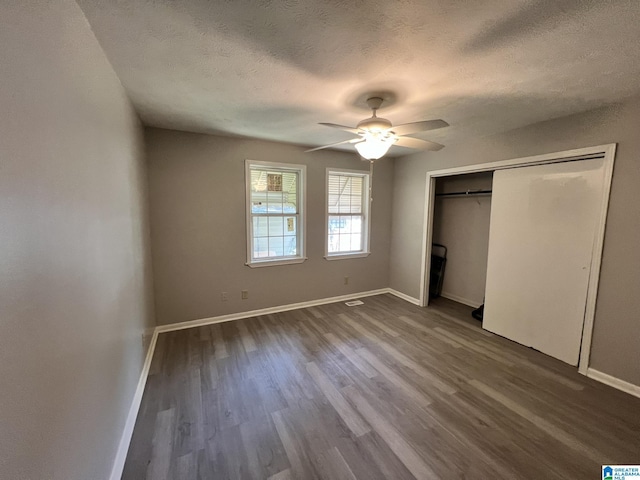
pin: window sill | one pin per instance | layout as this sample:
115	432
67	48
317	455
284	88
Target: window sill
345	256
275	263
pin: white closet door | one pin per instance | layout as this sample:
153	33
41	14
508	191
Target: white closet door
543	222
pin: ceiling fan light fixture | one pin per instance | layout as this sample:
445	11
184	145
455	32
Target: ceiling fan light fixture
376	135
374	146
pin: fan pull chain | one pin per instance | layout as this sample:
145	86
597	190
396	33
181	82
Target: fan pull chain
370	181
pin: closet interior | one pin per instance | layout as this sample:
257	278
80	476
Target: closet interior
462	214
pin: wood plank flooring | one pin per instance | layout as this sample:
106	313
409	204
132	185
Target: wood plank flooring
385	390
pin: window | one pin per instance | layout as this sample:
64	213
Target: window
347	214
275	213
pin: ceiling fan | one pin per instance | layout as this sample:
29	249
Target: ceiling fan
376	135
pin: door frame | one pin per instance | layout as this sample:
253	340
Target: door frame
607	150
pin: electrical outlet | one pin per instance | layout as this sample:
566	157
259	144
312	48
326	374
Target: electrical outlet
346	280
245	294
224	296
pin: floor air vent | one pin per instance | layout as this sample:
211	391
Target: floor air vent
353	303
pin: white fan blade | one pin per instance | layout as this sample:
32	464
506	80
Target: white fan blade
341	127
409	142
415	127
353	140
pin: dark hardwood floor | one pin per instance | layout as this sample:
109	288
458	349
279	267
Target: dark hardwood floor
385	390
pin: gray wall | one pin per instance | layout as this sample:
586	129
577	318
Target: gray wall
197	206
462	225
617	326
75	290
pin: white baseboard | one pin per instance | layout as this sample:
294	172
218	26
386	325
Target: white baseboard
403	296
125	440
464	301
614	382
265	311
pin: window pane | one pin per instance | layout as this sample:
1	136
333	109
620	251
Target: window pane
335	223
260	247
273	191
333	193
344	243
344	193
336	186
276	246
345	196
290	226
274	202
276	226
344	233
356	224
274	182
356	240
258	181
344	206
290	246
356	200
356	186
258	207
260	227
345	225
333	228
290	192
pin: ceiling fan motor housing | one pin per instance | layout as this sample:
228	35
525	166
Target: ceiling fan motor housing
374	123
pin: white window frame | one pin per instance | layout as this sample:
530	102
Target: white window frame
301	215
366	209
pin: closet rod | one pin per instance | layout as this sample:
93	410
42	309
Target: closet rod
466	193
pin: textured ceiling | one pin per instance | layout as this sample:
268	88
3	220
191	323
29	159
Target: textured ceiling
273	69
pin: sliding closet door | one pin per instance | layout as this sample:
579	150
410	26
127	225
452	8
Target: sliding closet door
543	223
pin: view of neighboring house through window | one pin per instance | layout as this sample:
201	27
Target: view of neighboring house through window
275	221
347	213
